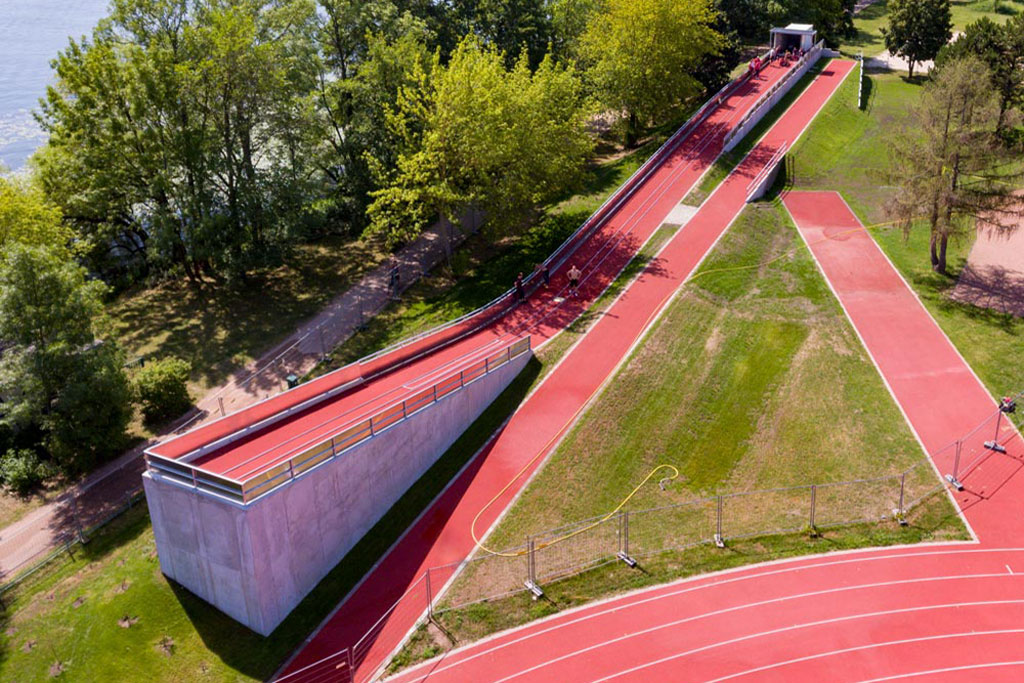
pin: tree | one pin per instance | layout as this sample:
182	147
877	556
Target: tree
179	133
918	29
162	388
949	166
642	56
27	217
56	375
1001	47
478	135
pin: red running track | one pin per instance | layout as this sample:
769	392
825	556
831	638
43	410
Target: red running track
543	315
442	535
948	612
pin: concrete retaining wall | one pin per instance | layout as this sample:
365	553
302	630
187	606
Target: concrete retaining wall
766	105
255	562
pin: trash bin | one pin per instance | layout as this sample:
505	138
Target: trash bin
293	381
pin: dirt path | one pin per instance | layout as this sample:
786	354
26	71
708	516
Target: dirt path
994	274
107	490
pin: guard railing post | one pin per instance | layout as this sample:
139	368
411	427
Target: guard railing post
903	488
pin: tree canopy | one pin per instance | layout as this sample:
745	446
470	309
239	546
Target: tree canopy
478	135
949	165
641	55
918	29
1001	48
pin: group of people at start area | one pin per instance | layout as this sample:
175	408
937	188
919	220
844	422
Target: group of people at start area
784	56
573	274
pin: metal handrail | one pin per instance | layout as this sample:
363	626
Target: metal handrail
339	439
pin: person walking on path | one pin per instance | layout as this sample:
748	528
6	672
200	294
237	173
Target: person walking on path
574	280
520	292
545	274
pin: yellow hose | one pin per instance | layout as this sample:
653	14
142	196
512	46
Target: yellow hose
675	472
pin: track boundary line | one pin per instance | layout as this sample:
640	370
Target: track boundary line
796	627
950	669
734	608
878	369
845	650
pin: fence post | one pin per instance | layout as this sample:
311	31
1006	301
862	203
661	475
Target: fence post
719	541
78	518
351	666
954	479
814	501
901	515
430	598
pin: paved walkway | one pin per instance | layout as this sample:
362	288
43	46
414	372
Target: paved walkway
944	612
106	490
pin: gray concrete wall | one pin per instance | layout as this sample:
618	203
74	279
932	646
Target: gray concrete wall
780	91
256	562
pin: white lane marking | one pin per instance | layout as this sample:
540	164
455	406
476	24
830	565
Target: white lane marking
949	669
810	624
871	355
1008	569
653	594
738	608
904	641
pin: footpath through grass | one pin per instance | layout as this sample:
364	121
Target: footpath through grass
845	150
109	614
753	379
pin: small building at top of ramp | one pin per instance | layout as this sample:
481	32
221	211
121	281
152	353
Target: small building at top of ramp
794	36
251	511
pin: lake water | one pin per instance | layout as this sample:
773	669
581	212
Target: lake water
31	34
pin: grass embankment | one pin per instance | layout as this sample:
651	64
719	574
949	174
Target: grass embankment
845	150
725	163
872	19
108	613
752	379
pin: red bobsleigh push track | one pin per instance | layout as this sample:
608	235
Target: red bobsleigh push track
442	535
948	612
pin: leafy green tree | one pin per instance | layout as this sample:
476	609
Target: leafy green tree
27	217
56	375
179	132
1001	47
21	470
478	135
949	166
162	388
642	56
918	29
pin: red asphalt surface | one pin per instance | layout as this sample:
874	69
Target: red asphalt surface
943	612
442	535
600	258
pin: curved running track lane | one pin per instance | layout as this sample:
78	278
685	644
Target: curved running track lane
441	536
944	612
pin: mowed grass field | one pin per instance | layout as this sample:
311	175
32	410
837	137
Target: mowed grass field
753	379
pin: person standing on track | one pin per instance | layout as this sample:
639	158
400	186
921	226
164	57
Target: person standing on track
520	292
574	280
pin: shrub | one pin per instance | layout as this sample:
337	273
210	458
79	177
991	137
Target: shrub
162	388
21	470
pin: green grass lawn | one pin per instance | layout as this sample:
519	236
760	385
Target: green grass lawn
752	379
845	150
871	20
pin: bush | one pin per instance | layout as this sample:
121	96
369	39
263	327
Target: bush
21	470
162	388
